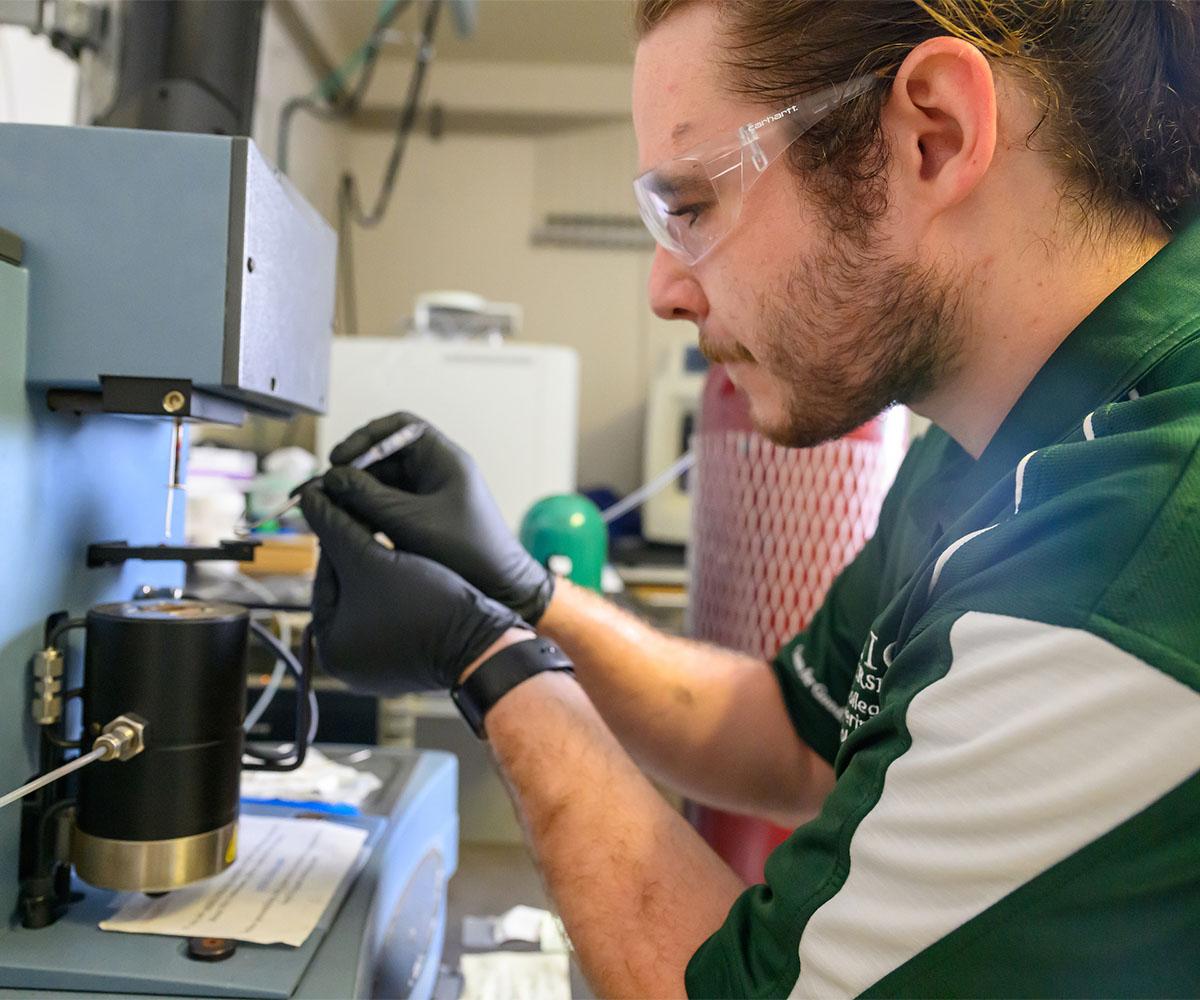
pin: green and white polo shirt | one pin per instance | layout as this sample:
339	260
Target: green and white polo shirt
1007	682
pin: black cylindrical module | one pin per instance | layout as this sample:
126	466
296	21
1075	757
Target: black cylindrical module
168	816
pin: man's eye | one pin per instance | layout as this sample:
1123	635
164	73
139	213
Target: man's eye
692	212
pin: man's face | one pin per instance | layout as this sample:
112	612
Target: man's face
820	329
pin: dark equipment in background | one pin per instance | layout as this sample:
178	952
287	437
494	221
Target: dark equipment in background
167	65
174	65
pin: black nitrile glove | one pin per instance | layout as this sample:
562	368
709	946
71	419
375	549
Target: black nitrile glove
388	622
430	498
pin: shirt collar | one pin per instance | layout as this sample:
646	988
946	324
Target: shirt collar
1148	315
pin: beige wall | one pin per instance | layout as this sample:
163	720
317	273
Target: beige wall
462	217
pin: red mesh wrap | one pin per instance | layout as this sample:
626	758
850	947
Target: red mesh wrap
771	528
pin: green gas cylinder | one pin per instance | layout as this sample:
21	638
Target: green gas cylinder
566	534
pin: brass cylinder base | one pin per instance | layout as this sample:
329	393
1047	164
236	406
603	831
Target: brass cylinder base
152	865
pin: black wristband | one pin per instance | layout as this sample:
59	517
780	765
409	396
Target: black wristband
495	677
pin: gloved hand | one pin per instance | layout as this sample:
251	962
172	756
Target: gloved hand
431	499
388	622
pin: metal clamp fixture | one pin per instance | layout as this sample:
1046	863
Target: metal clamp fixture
47	686
123	738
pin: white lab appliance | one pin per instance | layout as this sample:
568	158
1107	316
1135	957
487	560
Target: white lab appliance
513	406
671	409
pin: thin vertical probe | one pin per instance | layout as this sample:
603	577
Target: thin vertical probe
376	453
173	482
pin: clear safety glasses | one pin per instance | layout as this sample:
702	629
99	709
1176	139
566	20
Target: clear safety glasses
691	202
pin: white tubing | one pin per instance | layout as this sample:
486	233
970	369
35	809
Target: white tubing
656	485
268	693
59	772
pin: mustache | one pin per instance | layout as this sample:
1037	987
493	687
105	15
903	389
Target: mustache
720	354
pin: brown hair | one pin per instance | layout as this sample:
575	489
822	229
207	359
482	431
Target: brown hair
1118	84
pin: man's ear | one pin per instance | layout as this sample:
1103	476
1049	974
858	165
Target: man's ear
940	120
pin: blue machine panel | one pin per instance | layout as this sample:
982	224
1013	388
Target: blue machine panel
67	481
169	256
126	238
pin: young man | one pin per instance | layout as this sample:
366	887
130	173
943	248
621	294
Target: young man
974	209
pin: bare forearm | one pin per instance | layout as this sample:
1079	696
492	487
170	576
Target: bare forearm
638	890
708	722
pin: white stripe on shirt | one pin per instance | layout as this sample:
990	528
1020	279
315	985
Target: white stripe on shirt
1038	740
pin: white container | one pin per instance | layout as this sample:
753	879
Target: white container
514	407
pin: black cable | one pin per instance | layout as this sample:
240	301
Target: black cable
294	758
404	125
294	665
268	756
349	207
63	627
51	813
303	693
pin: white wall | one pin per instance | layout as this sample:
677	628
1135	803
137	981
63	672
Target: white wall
37	82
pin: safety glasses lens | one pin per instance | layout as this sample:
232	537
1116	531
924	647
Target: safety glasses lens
683	208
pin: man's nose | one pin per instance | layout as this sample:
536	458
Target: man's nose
673	289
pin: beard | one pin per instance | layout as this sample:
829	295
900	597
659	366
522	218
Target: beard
853	331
